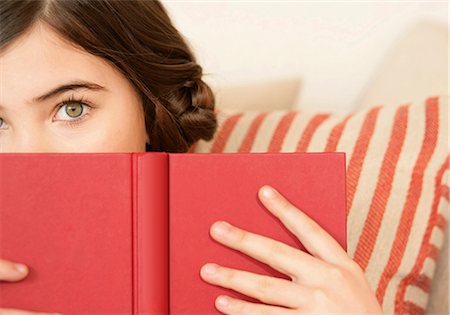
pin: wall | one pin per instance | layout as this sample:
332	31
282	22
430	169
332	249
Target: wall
334	47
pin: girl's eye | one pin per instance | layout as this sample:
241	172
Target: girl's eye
1	123
72	111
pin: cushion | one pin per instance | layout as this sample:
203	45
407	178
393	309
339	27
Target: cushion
438	302
416	66
397	163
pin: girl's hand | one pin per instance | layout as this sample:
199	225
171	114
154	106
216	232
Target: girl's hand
9	272
325	281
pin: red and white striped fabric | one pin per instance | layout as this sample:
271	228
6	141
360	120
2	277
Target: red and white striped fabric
397	183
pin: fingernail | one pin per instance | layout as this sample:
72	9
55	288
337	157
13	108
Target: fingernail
21	268
221	228
268	192
210	269
223	301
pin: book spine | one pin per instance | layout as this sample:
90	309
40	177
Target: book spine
150	233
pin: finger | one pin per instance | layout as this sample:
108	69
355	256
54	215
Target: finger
232	306
297	264
267	289
10	311
315	239
10	271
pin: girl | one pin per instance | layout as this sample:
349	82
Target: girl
111	76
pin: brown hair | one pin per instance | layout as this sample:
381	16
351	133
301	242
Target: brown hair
139	39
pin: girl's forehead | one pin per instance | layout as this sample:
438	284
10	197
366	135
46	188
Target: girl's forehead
40	59
42	48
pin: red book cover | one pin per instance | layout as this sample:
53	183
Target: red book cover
127	233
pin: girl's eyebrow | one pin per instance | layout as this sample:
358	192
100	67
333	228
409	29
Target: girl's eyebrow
73	85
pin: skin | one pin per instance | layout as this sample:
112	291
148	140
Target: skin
327	281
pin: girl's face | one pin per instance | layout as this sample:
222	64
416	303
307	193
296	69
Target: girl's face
55	98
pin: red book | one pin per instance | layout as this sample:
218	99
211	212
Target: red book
127	233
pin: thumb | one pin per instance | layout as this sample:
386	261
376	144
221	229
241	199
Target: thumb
10	271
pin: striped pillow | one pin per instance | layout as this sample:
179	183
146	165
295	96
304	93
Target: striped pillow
397	183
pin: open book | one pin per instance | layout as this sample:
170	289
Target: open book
127	233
